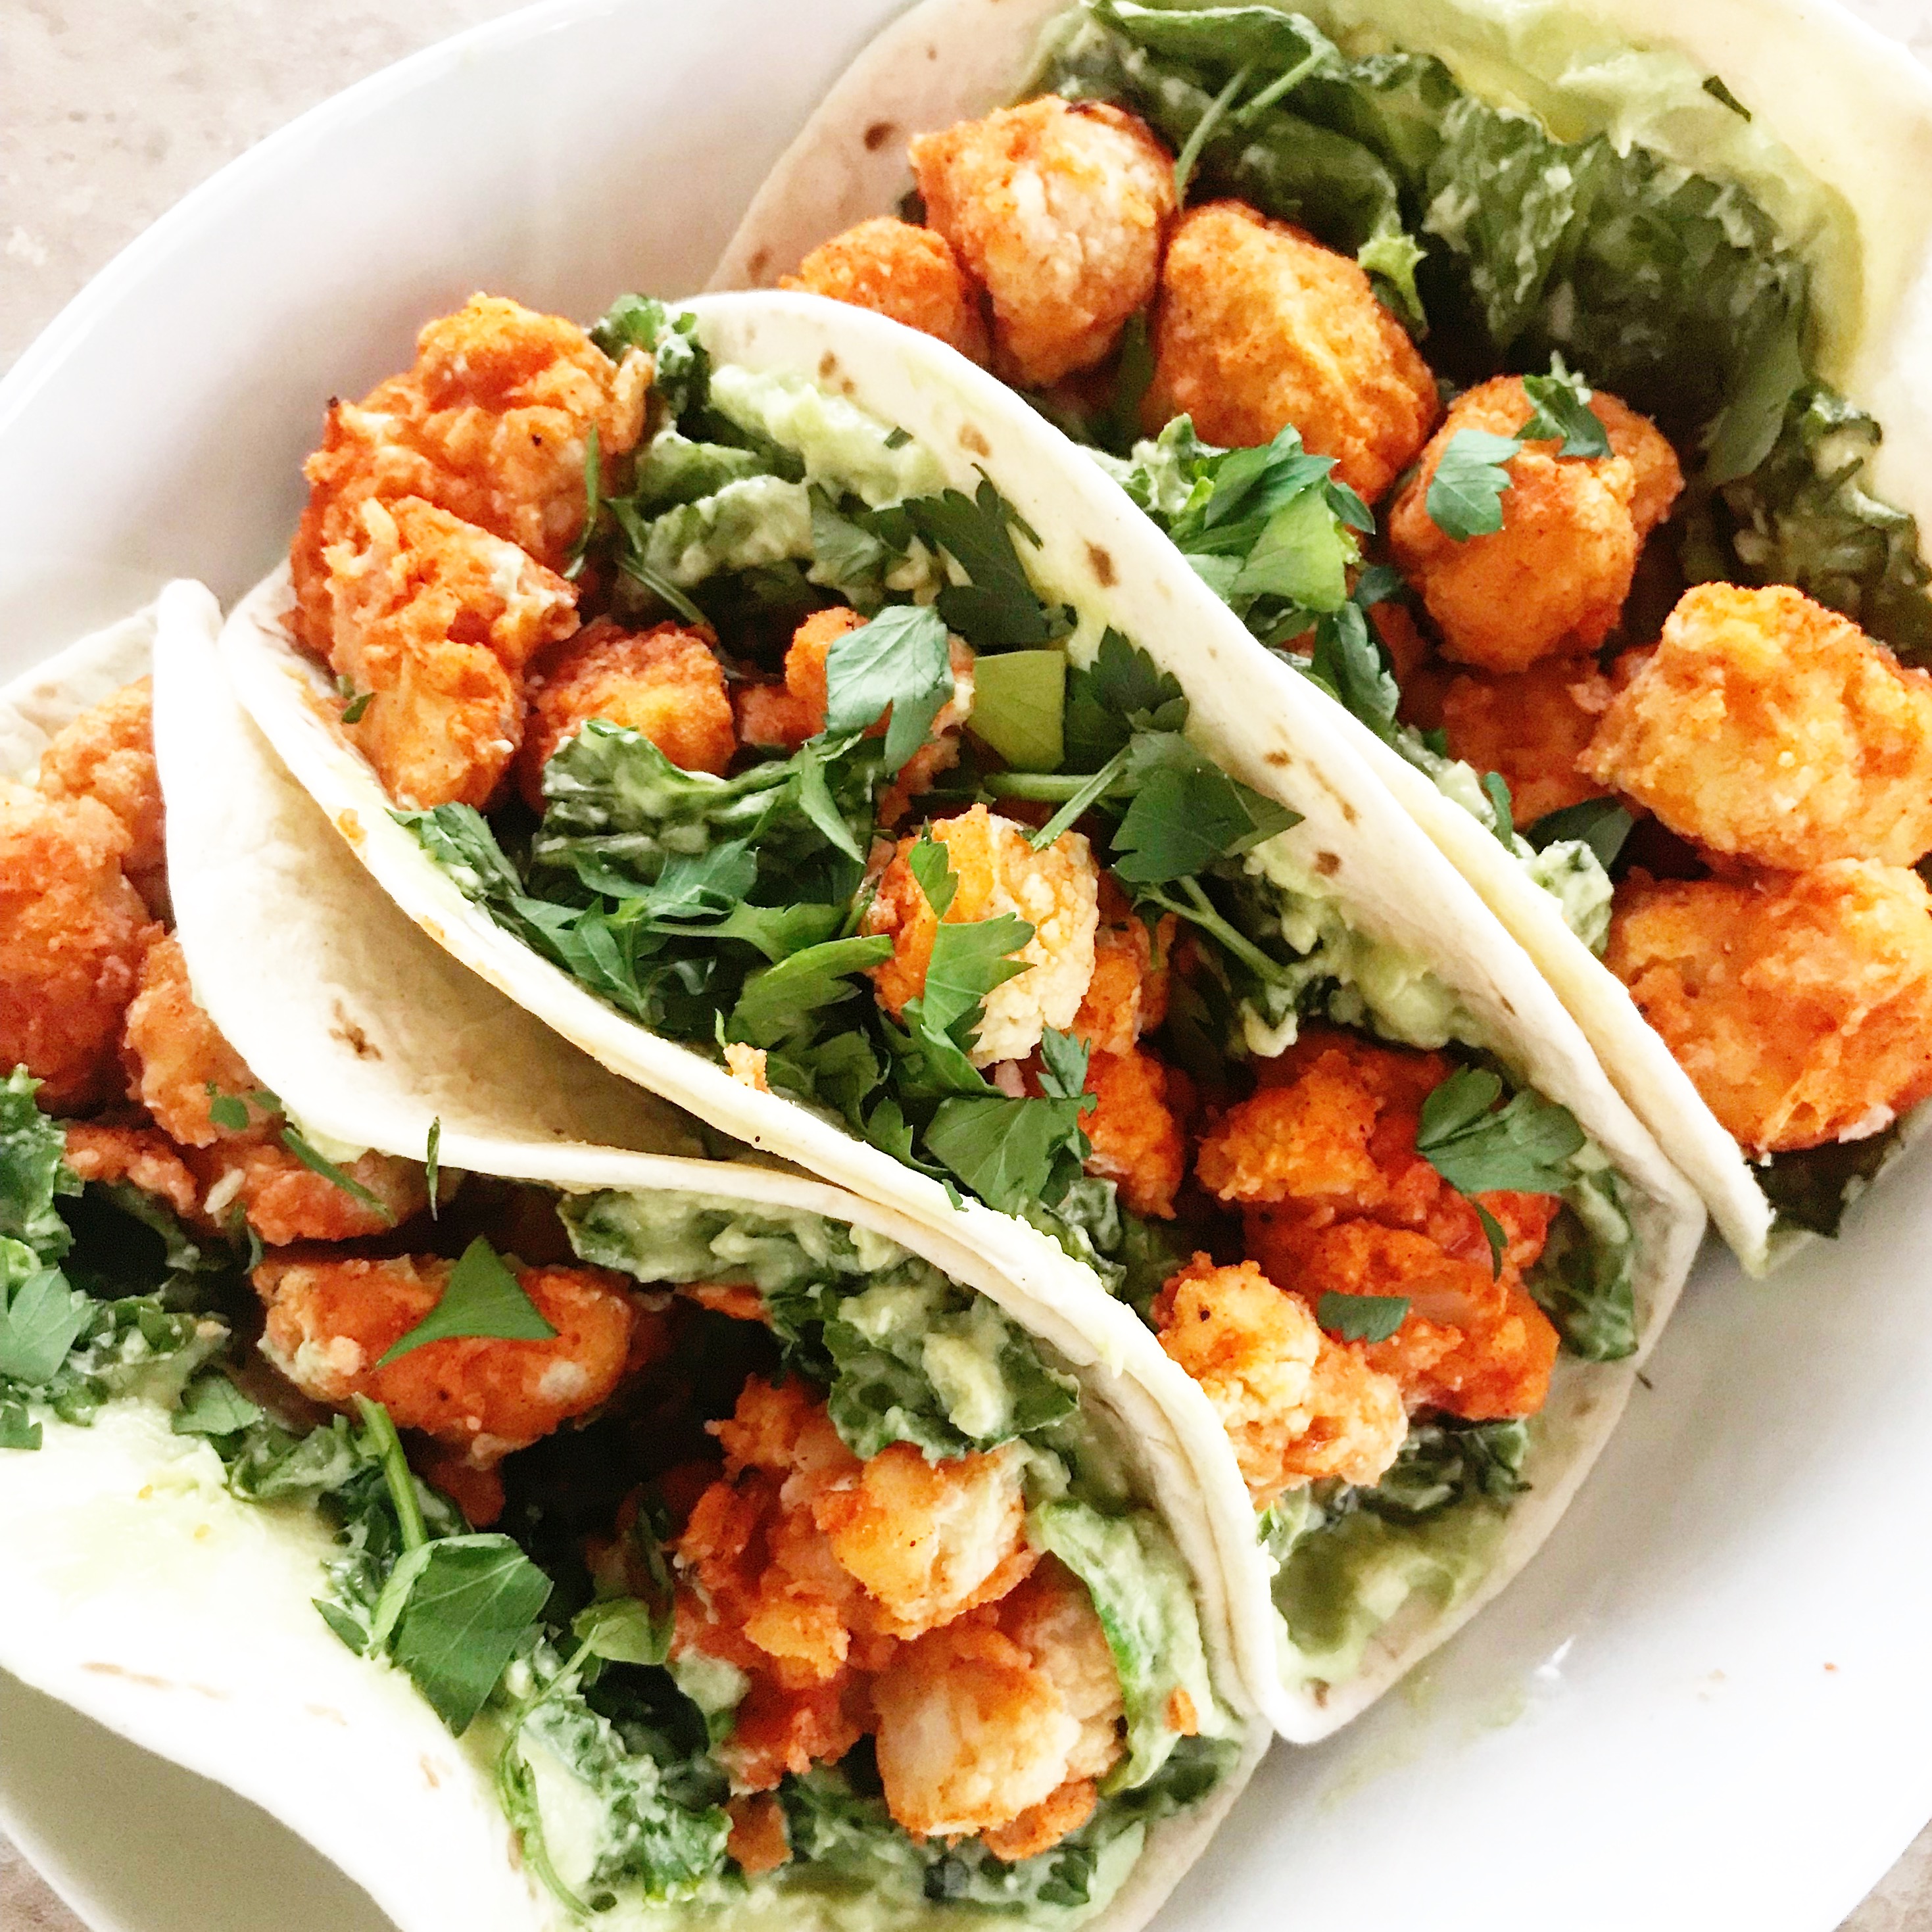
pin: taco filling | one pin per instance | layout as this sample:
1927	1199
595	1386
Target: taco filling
757	1558
1605	566
812	775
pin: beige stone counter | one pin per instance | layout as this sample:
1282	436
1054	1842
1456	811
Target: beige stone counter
110	110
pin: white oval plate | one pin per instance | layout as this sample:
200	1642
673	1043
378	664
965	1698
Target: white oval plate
1706	1703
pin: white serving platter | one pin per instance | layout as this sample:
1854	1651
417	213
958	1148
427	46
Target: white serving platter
1706	1704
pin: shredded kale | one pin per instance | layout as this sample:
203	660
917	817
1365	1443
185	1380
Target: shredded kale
1812	1187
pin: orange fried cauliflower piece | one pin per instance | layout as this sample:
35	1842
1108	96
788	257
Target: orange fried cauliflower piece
1058	208
1767	726
108	753
1136	1140
1531	726
72	932
330	1322
139	1155
895	269
760	1840
491	425
283	1200
1260	326
436	619
1127	995
1552	581
1801	1007
665	683
1295	1409
783	716
1056	892
174	1056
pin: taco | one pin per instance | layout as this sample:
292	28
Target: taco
548	1531
1651	582
1090	954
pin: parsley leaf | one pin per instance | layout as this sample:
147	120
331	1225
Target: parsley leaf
1063	1070
41	1316
1526	1147
623	1630
1362	1318
33	1170
1601	823
970	957
1465	494
1186	815
1010	1152
1563	411
998	606
900	661
357	702
432	1162
1349	661
1496	789
481	1297
212	1405
776	998
1122	691
317	1163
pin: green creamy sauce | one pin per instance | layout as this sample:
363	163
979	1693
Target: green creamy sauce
907	1355
1577	75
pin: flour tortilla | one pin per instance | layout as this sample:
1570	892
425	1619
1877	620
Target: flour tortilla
139	1591
1852	107
1098	553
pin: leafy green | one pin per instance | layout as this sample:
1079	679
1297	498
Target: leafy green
1601	823
899	662
1186	814
1444	1461
1526	1146
1010	1152
33	1170
1019	700
1563	413
1362	1318
682	373
998	607
211	1405
776	998
1465	494
40	1317
481	1297
318	1163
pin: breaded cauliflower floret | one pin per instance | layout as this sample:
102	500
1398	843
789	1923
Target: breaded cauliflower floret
174	1055
1127	995
108	753
1552	581
1800	1007
1136	1140
666	684
491	425
760	1840
1767	726
1531	726
1050	1616
895	269
436	619
285	1200
1058	208
971	1734
1294	1412
72	932
1056	892
926	1540
330	1322
1307	1141
139	1155
1260	326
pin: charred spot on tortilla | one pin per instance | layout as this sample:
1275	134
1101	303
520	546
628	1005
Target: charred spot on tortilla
1101	562
429	1771
828	366
878	135
352	1036
1327	864
760	263
128	1676
1280	758
971	437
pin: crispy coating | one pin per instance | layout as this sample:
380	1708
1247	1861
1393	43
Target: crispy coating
73	933
1137	1140
329	1323
436	619
108	753
1260	326
1297	1407
1058	208
1050	1616
174	1055
1765	726
665	683
1552	581
1309	1142
1127	995
909	273
781	717
1801	1007
760	1840
140	1155
284	1201
1531	726
491	425
1056	892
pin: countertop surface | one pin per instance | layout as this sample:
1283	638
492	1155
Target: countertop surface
111	110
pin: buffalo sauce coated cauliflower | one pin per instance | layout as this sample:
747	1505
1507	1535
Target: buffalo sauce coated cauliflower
665	684
1137	1141
492	425
1801	1006
73	933
1056	892
435	620
1127	995
1297	1407
1260	326
1552	581
330	1321
107	753
177	1065
1058	208
895	269
1531	726
1766	726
